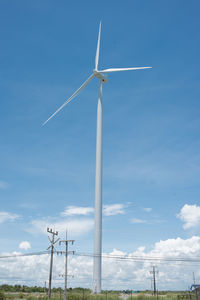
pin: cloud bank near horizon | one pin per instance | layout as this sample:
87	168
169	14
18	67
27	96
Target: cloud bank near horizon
117	274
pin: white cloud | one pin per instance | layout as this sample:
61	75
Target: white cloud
77	210
190	215
178	247
117	274
75	227
108	210
24	245
147	209
137	221
3	185
6	216
113	209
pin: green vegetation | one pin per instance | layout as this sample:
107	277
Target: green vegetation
19	292
163	296
2	295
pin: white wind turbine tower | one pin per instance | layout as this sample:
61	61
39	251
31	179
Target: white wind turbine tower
102	77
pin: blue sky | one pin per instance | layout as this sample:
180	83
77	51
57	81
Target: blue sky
151	161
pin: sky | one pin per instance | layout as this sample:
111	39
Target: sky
151	139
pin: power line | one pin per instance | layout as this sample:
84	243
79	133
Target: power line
110	256
25	254
142	258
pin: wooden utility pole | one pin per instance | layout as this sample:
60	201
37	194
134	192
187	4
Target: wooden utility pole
196	289
153	272
52	241
66	252
45	287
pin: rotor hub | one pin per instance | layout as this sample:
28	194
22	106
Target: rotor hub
100	76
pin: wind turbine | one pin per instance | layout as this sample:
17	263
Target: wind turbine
101	75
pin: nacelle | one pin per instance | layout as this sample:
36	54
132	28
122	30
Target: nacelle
101	76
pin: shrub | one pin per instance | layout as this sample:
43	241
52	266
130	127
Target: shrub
2	296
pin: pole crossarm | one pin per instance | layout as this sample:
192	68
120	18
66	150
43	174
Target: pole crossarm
51	231
64	252
69	241
63	275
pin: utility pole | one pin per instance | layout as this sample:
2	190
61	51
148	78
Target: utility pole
151	285
45	287
196	289
153	272
52	241
66	252
151	289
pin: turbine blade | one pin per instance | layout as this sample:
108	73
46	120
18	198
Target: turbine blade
68	100
122	69
98	46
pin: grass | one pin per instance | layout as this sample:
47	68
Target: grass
86	295
58	296
167	296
